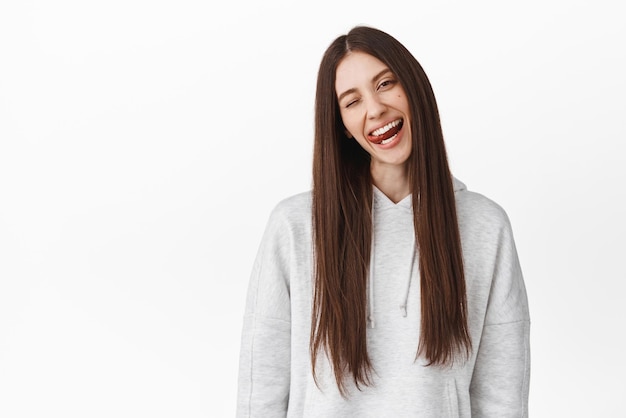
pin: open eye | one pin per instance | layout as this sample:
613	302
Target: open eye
386	83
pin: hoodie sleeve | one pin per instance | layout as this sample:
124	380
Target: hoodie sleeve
264	363
500	381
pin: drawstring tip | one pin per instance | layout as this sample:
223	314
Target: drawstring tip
371	321
403	308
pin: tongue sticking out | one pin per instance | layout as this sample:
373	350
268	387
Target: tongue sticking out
377	139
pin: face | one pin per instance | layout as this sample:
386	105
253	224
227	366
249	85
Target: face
374	109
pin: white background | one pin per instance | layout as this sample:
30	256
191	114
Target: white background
144	143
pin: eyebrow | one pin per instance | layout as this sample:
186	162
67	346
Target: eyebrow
352	90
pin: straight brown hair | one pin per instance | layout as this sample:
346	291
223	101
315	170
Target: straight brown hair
342	221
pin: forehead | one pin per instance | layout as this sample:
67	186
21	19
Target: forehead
356	70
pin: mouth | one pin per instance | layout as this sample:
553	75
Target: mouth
387	133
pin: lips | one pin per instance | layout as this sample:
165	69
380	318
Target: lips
386	132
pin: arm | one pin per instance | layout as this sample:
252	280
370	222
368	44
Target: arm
264	365
500	381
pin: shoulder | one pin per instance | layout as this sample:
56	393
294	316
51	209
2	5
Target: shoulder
287	229
475	210
293	208
294	204
292	213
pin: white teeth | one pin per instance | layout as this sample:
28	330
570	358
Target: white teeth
385	128
388	140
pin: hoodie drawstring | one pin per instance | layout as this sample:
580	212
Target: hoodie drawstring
370	279
370	276
408	280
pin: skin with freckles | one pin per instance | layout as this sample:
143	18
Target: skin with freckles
370	98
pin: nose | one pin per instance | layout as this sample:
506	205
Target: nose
375	108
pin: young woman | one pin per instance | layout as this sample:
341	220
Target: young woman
389	290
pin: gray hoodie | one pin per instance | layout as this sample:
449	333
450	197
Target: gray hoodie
275	378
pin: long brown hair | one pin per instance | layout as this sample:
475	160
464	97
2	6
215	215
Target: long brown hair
342	220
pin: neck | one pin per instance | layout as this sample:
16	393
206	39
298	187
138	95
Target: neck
392	181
